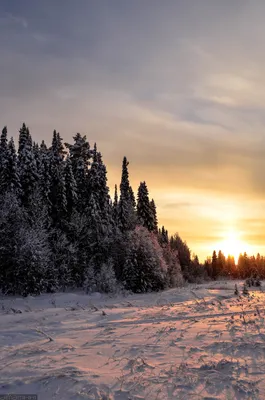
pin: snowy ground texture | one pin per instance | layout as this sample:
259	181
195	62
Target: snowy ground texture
191	343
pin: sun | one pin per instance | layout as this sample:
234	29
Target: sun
232	245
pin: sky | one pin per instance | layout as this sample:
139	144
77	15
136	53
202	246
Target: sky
175	85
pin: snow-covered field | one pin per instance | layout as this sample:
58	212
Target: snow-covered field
191	343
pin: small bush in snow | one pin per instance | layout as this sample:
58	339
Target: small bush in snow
245	290
236	290
103	280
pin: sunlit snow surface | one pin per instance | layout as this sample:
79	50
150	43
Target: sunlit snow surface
197	342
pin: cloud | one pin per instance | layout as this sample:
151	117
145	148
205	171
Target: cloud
8	19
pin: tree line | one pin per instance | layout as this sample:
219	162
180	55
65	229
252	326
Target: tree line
246	267
59	227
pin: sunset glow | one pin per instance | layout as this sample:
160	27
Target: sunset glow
233	245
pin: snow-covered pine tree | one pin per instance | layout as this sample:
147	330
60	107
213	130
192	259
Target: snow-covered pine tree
70	188
3	162
11	220
154	227
132	198
103	280
23	138
115	207
145	268
57	190
80	149
45	175
81	177
99	209
80	155
144	210
163	236
127	215
57	147
13	181
27	167
36	152
26	266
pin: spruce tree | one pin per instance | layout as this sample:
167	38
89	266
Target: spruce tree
163	236
57	192
13	181
214	265
37	155
79	150
27	167
70	188
3	141
154	225
127	217
23	139
220	263
45	175
143	269
80	155
115	209
132	198
3	162
99	209
81	179
144	211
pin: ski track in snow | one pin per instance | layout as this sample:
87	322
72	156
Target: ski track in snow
196	342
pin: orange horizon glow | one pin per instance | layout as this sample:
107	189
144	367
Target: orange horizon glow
233	245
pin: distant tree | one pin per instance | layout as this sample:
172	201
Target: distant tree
208	267
195	272
230	267
221	263
215	270
244	266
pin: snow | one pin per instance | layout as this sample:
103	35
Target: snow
196	342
